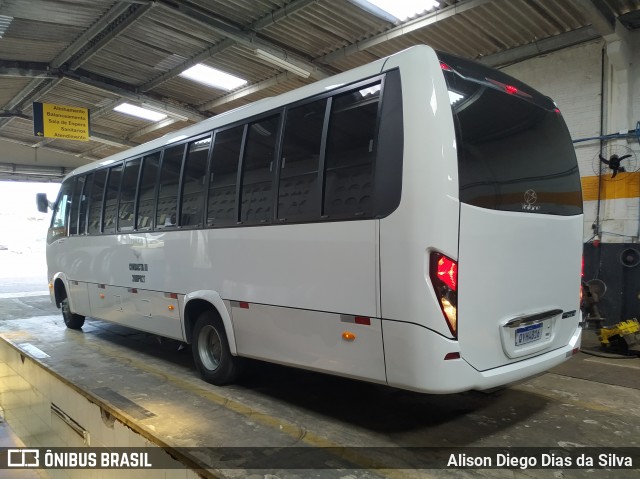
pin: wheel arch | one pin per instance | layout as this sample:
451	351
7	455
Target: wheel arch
196	303
61	289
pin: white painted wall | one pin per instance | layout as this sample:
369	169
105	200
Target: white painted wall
572	77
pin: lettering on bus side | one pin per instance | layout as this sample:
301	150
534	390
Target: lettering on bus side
138	278
138	267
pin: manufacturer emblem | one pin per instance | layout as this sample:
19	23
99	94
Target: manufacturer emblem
530	199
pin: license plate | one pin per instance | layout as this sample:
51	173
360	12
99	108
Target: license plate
528	334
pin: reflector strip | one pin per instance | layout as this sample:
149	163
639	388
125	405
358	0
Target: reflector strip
348	318
171	295
132	290
362	320
452	356
102	286
243	304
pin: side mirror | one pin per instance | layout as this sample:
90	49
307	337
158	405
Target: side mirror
42	202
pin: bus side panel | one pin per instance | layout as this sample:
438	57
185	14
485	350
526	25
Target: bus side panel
317	266
150	311
427	218
79	295
311	340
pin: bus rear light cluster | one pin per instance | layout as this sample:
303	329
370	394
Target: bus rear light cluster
443	272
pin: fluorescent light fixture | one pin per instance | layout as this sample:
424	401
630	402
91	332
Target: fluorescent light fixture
129	109
282	63
454	97
212	77
399	9
331	87
5	21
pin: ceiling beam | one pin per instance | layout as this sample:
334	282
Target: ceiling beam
179	111
403	29
599	14
151	128
540	47
112	30
236	95
249	40
174	72
81	42
268	20
34	90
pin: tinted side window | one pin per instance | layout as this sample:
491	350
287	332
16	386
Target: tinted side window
193	186
221	209
111	200
298	190
63	204
350	153
147	191
128	195
75	205
84	203
257	171
95	204
166	214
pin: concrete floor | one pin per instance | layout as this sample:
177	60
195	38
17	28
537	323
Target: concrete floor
588	401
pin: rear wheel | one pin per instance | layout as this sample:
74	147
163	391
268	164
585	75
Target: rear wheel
211	352
72	320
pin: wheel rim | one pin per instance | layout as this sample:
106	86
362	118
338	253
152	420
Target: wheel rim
210	348
65	309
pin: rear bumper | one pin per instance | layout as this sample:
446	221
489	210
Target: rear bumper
415	360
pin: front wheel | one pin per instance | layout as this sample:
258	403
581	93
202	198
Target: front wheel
211	352
72	320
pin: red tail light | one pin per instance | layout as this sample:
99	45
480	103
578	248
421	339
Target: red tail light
443	272
510	89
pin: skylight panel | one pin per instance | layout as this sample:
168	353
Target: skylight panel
5	21
129	109
398	9
212	77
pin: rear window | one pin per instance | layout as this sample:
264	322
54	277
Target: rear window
514	150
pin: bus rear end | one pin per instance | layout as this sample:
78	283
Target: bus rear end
509	295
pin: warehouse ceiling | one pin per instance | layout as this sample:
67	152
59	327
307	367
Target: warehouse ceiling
99	54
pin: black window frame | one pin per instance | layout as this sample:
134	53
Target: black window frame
205	193
111	167
125	165
386	175
88	185
275	162
104	189
145	157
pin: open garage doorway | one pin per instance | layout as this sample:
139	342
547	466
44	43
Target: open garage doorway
23	232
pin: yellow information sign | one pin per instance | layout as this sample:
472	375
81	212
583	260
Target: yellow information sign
60	122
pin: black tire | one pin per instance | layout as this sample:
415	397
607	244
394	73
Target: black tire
211	353
72	320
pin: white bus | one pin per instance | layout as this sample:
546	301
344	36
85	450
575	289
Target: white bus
415	222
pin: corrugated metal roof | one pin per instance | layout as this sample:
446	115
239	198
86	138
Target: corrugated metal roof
134	51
